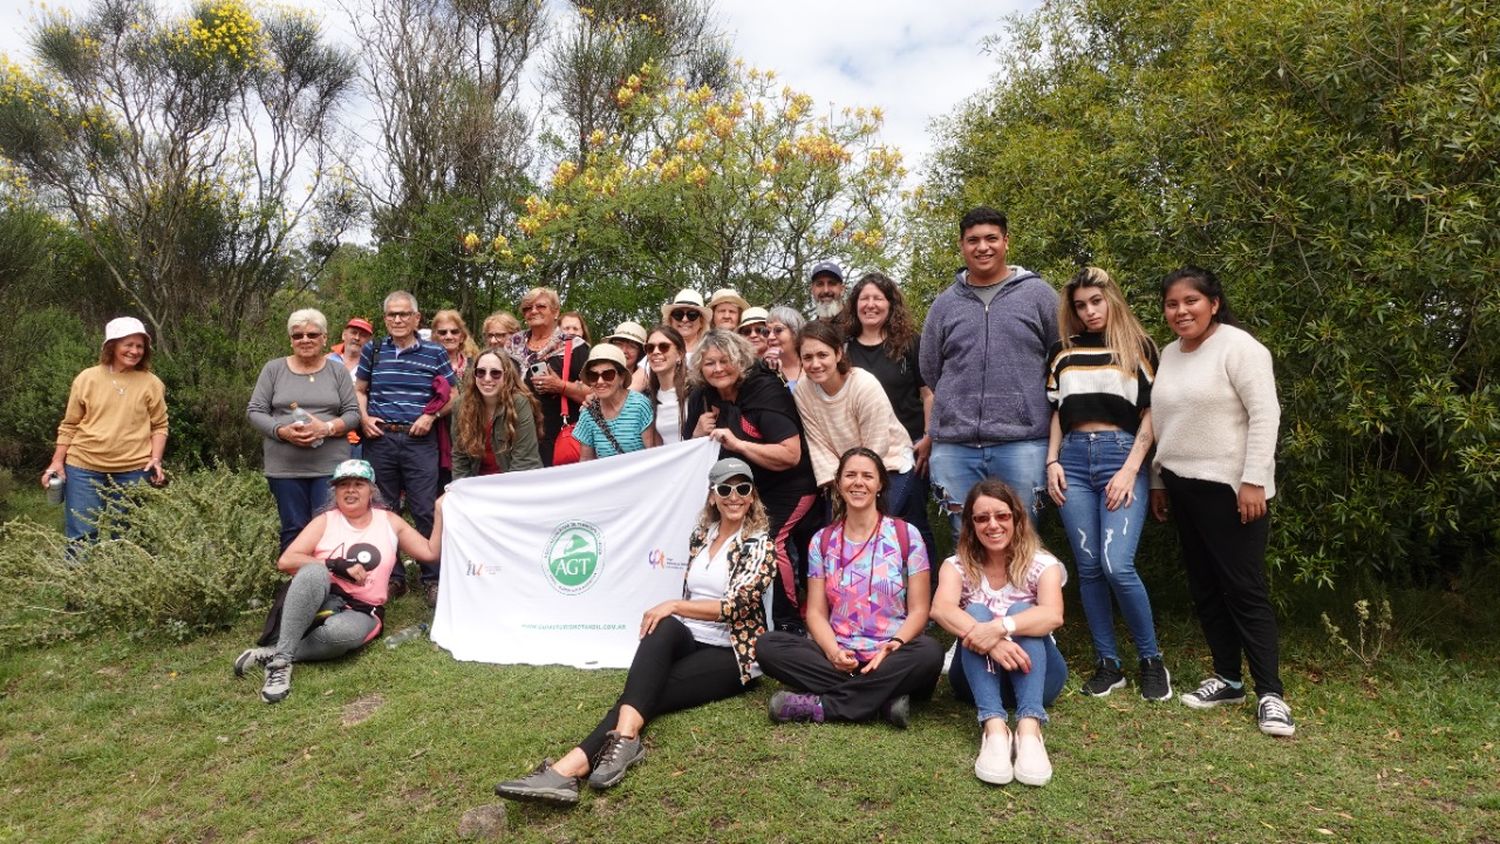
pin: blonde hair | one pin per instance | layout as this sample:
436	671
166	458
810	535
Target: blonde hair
501	322
756	520
469	349
542	293
468	434
1025	544
1127	340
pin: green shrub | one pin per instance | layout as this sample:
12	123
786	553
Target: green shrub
50	347
186	559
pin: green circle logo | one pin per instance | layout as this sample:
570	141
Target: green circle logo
574	556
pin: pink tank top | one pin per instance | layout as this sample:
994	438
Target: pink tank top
376	544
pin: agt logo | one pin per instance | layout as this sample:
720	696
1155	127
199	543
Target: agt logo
658	559
475	569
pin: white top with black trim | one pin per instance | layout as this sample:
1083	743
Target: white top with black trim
1084	384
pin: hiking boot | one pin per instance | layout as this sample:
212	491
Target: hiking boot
615	758
395	589
791	706
278	679
252	658
897	711
1107	677
1215	691
1275	716
1156	680
993	764
430	594
1032	765
542	785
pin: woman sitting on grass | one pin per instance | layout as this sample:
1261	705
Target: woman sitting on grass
341	566
695	650
1001	595
867	598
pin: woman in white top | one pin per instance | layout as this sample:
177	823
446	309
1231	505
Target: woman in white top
842	408
1001	595
1215	411
666	383
695	650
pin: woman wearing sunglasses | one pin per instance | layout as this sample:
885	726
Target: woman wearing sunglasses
690	317
497	420
694	650
666	381
753	328
450	332
868	588
1001	595
618	420
551	365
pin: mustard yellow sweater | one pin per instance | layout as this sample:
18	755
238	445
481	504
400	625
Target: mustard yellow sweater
111	418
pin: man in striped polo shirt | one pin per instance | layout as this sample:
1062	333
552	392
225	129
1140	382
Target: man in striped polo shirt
398	379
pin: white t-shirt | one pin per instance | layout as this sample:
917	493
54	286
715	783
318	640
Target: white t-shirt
1000	600
668	416
708	580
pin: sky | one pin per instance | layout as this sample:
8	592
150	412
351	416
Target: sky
915	60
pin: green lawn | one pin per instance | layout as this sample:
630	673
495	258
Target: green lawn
126	741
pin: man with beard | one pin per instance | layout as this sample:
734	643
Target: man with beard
826	289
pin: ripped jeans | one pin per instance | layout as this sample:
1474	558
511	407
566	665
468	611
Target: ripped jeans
957	467
1104	540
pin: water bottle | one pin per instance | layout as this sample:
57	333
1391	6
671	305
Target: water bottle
301	417
54	488
406	634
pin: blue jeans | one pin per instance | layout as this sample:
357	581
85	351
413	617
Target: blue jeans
957	467
297	501
86	493
1104	540
1027	692
404	463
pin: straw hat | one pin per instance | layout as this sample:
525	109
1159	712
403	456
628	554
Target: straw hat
686	298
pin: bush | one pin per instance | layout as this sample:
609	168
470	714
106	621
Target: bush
50	347
187	559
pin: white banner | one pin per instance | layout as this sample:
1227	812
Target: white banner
556	566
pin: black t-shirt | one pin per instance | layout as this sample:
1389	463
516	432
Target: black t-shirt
901	378
763	413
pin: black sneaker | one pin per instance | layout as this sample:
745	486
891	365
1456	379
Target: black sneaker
1107	677
1156	680
542	785
615	758
897	711
1215	691
1275	716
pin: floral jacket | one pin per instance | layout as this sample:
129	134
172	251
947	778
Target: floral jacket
752	566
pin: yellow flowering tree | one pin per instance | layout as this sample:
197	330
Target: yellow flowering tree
745	186
191	152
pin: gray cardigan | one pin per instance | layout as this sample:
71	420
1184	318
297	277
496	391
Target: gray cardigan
327	394
987	364
511	457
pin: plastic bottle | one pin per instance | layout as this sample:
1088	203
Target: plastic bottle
54	489
301	417
406	634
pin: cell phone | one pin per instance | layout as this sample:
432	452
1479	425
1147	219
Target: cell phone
540	368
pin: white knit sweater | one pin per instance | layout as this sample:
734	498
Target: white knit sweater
1215	412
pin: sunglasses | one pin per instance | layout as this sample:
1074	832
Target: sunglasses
755	330
307	335
494	336
686	315
400	314
534	306
741	489
608	376
447	332
659	348
986	518
488	374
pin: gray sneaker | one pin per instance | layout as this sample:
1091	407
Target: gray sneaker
618	754
278	679
542	785
897	711
252	658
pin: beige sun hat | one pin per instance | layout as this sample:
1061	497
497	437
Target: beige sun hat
686	298
727	295
629	330
754	316
609	353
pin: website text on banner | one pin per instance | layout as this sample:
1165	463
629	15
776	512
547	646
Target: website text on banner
556	566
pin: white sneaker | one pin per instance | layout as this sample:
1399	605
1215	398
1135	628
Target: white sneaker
950	658
1032	765
993	764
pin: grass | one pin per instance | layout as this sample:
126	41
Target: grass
140	741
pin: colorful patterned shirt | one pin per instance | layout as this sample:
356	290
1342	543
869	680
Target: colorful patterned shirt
866	582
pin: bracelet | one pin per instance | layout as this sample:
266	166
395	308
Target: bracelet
1050	462
897	639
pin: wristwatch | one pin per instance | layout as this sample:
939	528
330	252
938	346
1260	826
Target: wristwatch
1010	626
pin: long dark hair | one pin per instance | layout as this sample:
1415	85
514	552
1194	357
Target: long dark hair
880	472
1205	282
898	329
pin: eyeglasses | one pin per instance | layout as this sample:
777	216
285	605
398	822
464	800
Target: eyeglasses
608	376
659	348
741	489
307	335
495	336
998	516
760	330
400	314
447	332
534	306
686	315
488	374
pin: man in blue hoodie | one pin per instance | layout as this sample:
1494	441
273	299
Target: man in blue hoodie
984	351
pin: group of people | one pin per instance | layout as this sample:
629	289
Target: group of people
834	430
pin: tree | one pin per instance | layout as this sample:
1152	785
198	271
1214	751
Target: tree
180	147
1335	163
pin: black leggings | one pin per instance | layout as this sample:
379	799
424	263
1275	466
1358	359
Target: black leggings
671	671
1226	573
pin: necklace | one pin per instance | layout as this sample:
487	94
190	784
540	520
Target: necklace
119	391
